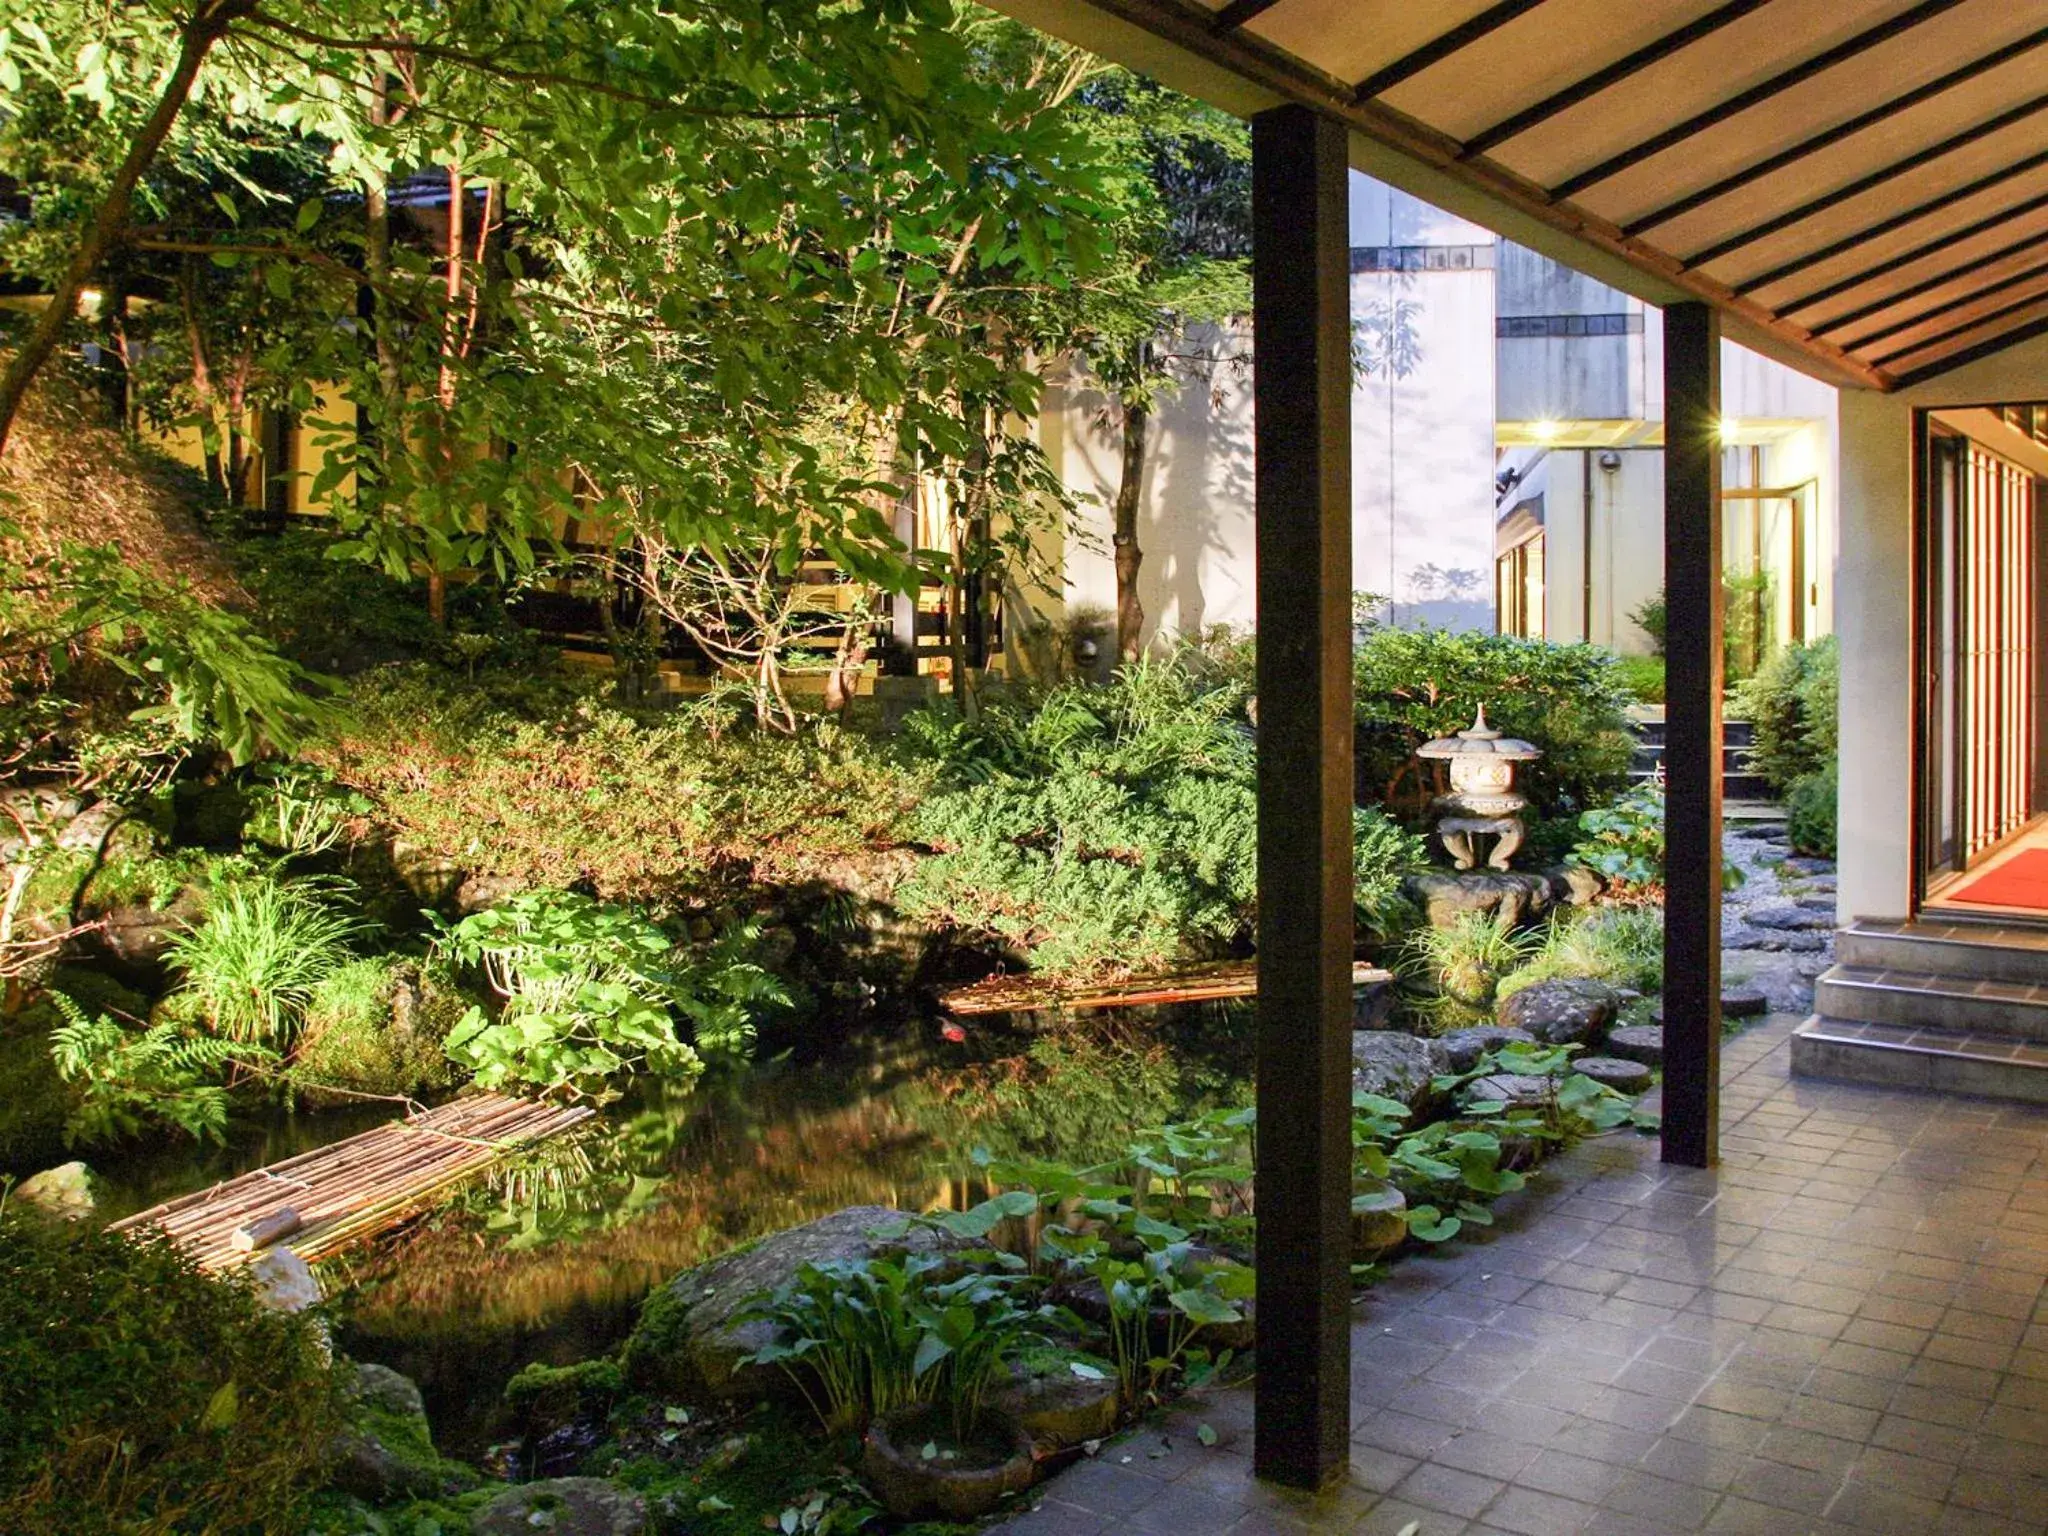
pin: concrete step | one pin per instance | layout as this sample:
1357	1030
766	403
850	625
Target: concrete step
1861	994
1946	1061
1979	951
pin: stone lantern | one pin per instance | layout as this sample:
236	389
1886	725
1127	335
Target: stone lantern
1483	801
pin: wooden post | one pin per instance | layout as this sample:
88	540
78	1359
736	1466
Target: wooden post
1692	734
1302	409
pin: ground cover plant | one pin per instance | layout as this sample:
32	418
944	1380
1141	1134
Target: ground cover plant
1110	828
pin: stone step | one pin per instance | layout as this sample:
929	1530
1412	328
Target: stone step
1946	1061
2014	1010
1980	951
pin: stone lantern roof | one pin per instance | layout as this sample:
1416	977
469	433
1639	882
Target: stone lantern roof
1480	740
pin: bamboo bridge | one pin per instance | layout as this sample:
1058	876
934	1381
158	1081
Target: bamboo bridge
1197	984
323	1201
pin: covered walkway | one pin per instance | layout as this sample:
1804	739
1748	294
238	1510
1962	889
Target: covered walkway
1843	1328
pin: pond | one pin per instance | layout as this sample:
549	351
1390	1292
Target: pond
550	1258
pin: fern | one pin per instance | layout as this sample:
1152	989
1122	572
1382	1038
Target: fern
127	1079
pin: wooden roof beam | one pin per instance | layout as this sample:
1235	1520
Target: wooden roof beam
1934	312
1460	37
1762	91
1862	184
1897	221
1612	74
1772	164
1893	300
2031	301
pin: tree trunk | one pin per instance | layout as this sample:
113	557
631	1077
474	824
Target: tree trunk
1130	493
200	34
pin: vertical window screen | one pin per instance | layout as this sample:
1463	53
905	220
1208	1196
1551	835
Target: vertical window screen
1998	650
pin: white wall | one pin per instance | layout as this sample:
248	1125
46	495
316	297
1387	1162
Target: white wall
1874	617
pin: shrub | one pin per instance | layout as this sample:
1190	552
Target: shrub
1792	703
1811	814
1623	843
139	1394
1642	677
592	989
548	786
376	1026
1111	827
1416	684
266	944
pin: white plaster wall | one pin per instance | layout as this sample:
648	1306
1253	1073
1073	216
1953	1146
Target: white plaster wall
1422	442
1874	617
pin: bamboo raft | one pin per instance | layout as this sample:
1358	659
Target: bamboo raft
323	1201
1198	984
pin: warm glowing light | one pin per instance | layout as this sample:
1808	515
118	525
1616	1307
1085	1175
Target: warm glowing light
1546	431
1728	429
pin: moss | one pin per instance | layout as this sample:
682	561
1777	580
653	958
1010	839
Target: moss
54	888
542	1398
652	1358
376	1026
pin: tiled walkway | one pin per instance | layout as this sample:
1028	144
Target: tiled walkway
1842	1329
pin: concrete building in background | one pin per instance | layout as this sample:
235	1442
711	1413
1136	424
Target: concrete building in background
1506	418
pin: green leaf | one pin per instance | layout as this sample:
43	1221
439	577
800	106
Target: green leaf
712	1504
1206	1434
223	1408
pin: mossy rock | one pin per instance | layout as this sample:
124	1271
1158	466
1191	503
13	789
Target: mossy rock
376	1026
544	1398
387	1455
692	1338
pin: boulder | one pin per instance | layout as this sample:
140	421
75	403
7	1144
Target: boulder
1444	897
1642	1043
139	936
281	1280
1573	1010
1581	886
1372	1004
564	1506
1629	1077
65	1191
1464	1047
691	1337
387	1453
1396	1065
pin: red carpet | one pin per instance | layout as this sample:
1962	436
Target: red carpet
2022	881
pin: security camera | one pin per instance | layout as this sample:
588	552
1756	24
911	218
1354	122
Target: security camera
1610	460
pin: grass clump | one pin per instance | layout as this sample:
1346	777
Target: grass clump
1622	946
266	946
1453	973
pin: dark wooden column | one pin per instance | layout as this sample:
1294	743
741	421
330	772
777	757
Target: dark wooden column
1301	301
1692	735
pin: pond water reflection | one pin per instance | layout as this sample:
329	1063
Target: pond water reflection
551	1258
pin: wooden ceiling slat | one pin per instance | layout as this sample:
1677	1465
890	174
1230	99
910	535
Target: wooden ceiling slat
1890	223
1934	312
1460	37
1977	323
1733	243
1771	164
1763	91
1988	347
1941	279
1612	74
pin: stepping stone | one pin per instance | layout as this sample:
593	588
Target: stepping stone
1785	915
1629	1077
1642	1043
1466	1046
1513	1089
1743	1003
